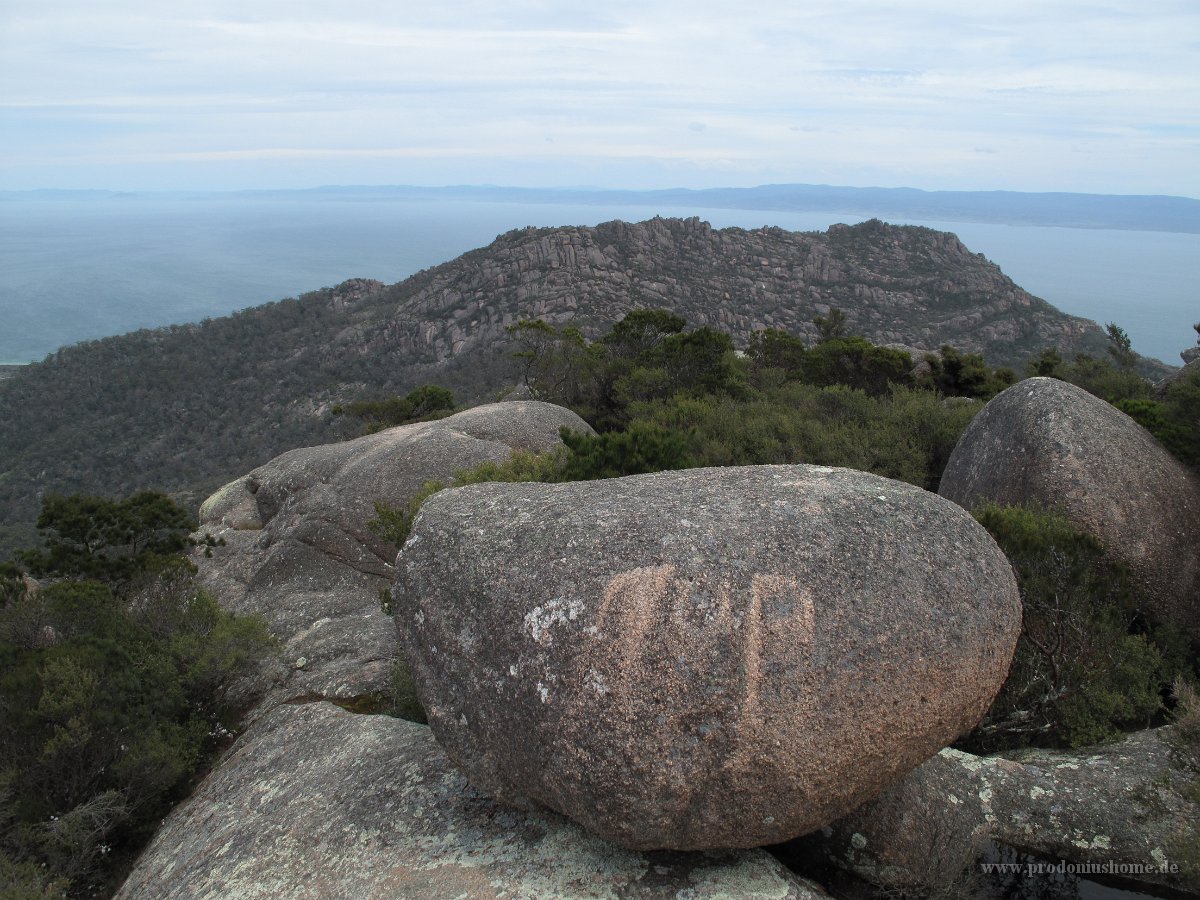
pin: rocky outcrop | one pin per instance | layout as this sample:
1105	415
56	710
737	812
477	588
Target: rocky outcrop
1130	804
900	284
297	549
1048	443
1191	365
701	659
315	802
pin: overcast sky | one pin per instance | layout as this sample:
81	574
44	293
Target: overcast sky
1078	95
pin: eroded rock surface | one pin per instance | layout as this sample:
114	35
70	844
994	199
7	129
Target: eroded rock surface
314	802
298	551
700	659
1125	803
1046	442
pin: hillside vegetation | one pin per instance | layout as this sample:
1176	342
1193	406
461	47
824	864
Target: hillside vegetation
185	408
114	677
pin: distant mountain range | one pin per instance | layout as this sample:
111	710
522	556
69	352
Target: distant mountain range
185	408
1067	210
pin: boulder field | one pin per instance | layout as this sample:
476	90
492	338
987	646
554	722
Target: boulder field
701	659
780	598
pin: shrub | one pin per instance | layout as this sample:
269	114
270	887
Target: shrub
957	374
643	447
1173	419
426	402
111	693
1087	662
393	523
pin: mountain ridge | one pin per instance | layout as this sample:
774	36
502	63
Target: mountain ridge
187	407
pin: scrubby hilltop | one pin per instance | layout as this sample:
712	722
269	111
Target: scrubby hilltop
184	408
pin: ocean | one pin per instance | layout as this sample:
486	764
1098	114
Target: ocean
75	269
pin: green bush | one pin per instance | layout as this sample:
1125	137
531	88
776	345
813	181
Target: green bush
1173	418
112	695
429	401
956	374
907	434
393	523
1096	376
643	447
855	362
1088	664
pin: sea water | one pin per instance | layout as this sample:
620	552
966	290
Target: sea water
75	269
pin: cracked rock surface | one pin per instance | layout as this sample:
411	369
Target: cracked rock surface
314	803
297	550
706	658
1121	803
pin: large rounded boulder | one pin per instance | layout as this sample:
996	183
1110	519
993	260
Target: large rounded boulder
1047	443
713	658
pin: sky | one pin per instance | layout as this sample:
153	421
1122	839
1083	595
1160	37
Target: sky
1030	95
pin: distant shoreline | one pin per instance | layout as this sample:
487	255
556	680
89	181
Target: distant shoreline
1119	212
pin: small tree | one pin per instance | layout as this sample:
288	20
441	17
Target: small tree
1047	365
553	362
774	348
87	536
641	331
1120	348
832	326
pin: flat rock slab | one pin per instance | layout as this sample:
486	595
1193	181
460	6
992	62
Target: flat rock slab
315	802
701	659
1047	443
298	551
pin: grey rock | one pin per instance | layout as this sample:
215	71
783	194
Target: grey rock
1125	803
1048	443
315	802
297	550
232	506
921	367
1191	360
701	659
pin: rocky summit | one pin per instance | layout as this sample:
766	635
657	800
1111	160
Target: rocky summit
700	659
904	284
1044	442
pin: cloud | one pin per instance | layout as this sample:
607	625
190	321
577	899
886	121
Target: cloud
98	91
